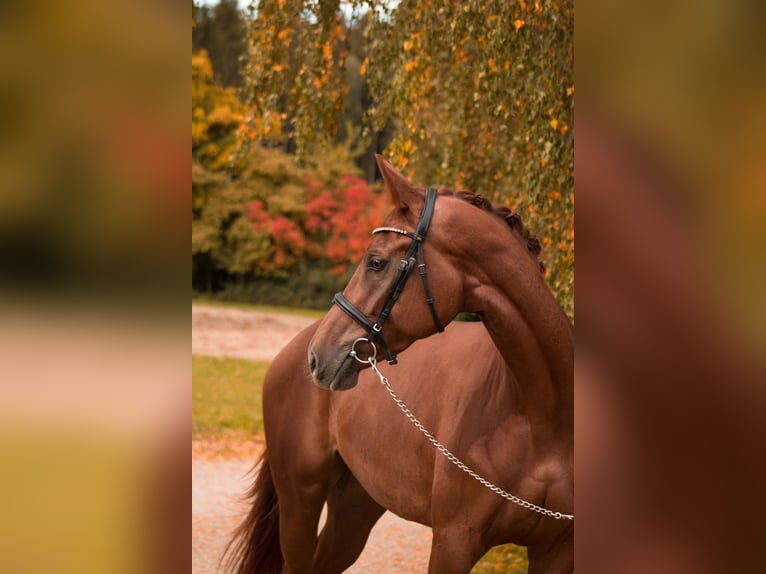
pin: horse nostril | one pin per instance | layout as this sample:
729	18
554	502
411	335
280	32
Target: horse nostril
312	362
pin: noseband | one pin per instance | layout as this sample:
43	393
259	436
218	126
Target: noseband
375	330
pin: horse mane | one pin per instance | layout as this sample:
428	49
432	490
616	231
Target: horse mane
511	218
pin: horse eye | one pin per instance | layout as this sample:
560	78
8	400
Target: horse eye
376	264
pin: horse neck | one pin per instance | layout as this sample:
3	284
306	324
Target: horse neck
532	333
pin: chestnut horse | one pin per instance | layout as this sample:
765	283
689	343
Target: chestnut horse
500	398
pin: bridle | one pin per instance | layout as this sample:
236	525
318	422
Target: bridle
375	330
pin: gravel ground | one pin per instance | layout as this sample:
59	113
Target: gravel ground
219	476
395	546
236	333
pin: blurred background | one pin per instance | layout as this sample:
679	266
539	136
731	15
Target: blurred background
291	100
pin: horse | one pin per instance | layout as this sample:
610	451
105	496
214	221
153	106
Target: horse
498	394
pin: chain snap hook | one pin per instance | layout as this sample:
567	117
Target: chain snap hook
370	360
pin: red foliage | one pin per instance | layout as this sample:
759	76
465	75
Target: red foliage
318	213
286	233
258	215
356	211
336	225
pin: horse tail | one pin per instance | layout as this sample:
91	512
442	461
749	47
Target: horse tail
254	547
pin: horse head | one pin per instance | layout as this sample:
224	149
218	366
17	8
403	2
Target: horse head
384	303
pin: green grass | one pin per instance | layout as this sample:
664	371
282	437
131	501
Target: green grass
312	313
226	395
508	559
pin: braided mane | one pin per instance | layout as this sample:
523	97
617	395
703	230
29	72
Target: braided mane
511	218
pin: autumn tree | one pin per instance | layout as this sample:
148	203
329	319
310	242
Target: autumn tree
294	75
220	31
217	116
481	95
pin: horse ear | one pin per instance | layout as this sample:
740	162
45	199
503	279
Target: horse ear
403	193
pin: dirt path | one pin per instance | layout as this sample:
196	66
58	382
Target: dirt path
395	546
219	480
222	332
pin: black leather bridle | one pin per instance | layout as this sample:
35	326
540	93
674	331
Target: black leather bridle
375	330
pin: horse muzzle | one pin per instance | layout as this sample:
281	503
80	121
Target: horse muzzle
338	372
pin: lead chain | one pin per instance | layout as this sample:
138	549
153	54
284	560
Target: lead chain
455	460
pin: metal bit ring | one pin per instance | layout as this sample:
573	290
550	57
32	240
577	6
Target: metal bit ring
371	358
